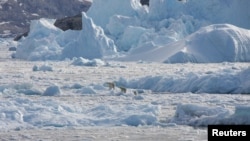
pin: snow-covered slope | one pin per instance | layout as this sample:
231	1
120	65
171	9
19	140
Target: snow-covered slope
214	43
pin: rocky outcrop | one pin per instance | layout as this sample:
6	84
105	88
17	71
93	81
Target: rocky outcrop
72	23
64	23
15	15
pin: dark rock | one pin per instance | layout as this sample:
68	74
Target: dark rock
145	2
73	23
18	37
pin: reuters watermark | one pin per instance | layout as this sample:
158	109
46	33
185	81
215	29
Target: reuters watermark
241	132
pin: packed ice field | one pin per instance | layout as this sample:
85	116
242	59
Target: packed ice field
66	98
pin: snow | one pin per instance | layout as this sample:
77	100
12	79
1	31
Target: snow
228	80
211	44
3	23
3	1
52	91
42	68
85	62
180	68
195	115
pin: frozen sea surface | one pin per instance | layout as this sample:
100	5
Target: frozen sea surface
54	100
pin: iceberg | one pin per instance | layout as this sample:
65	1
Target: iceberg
47	42
91	42
41	43
168	31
